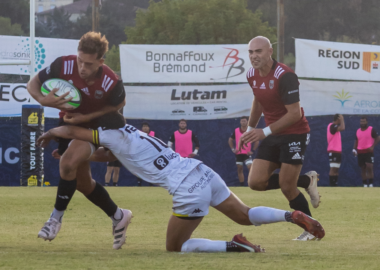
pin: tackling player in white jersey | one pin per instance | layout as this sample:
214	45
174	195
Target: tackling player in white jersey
194	187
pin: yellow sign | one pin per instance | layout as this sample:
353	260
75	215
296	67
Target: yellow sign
33	119
32	180
42	119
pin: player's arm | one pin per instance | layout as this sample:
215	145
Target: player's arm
231	140
171	141
355	149
34	87
116	101
342	125
376	136
102	155
69	132
256	112
195	140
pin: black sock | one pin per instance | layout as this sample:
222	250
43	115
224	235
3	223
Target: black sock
231	247
106	184
139	182
100	197
332	178
274	181
336	180
300	203
65	192
370	181
114	184
365	182
241	183
303	181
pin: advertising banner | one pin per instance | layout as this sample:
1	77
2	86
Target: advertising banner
32	157
331	97
46	51
189	102
13	96
184	63
336	60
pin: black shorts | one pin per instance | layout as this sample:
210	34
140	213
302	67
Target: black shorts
335	157
115	163
365	158
288	148
243	158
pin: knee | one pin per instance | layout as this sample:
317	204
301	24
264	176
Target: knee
257	185
66	166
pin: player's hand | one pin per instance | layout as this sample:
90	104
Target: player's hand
75	118
234	150
371	149
56	102
354	152
250	153
254	135
45	139
192	155
55	154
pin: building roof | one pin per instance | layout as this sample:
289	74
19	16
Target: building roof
74	8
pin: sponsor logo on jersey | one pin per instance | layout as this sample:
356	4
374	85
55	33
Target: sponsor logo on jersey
196	211
254	84
271	84
161	162
263	86
85	90
107	82
296	156
98	94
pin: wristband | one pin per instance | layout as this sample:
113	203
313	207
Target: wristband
232	149
249	129
195	151
267	131
354	151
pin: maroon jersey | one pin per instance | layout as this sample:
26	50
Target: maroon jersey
107	89
279	88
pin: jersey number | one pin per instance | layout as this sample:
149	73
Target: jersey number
157	143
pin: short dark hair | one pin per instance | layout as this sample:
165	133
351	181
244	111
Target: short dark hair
93	43
112	120
364	117
244	117
182	120
145	124
336	116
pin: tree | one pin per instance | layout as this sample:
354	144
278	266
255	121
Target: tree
198	22
6	28
113	58
17	11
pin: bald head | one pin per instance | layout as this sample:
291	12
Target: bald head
261	41
260	52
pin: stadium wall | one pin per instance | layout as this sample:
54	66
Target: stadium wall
214	150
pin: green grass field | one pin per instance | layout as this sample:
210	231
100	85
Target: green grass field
350	216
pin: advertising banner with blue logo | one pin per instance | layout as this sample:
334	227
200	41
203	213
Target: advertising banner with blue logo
331	97
46	51
336	60
189	102
184	63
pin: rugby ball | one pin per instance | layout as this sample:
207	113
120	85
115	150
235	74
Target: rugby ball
64	87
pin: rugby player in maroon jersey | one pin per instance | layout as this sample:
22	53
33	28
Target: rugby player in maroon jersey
284	139
102	93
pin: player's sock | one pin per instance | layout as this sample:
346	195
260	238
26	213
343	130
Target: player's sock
274	181
303	181
57	215
265	215
300	203
365	182
370	181
100	197
114	184
106	184
204	245
117	216
336	180
241	184
332	178
65	192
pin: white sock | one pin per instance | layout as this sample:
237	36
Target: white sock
264	215
204	245
117	216
57	215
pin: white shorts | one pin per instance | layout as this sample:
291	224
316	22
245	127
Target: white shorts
201	189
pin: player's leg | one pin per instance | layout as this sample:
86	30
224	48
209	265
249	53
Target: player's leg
74	155
369	171
240	173
99	196
116	173
260	174
108	175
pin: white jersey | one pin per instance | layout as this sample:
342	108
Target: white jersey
147	157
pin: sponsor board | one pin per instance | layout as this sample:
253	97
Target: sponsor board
336	60
190	102
184	63
46	50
